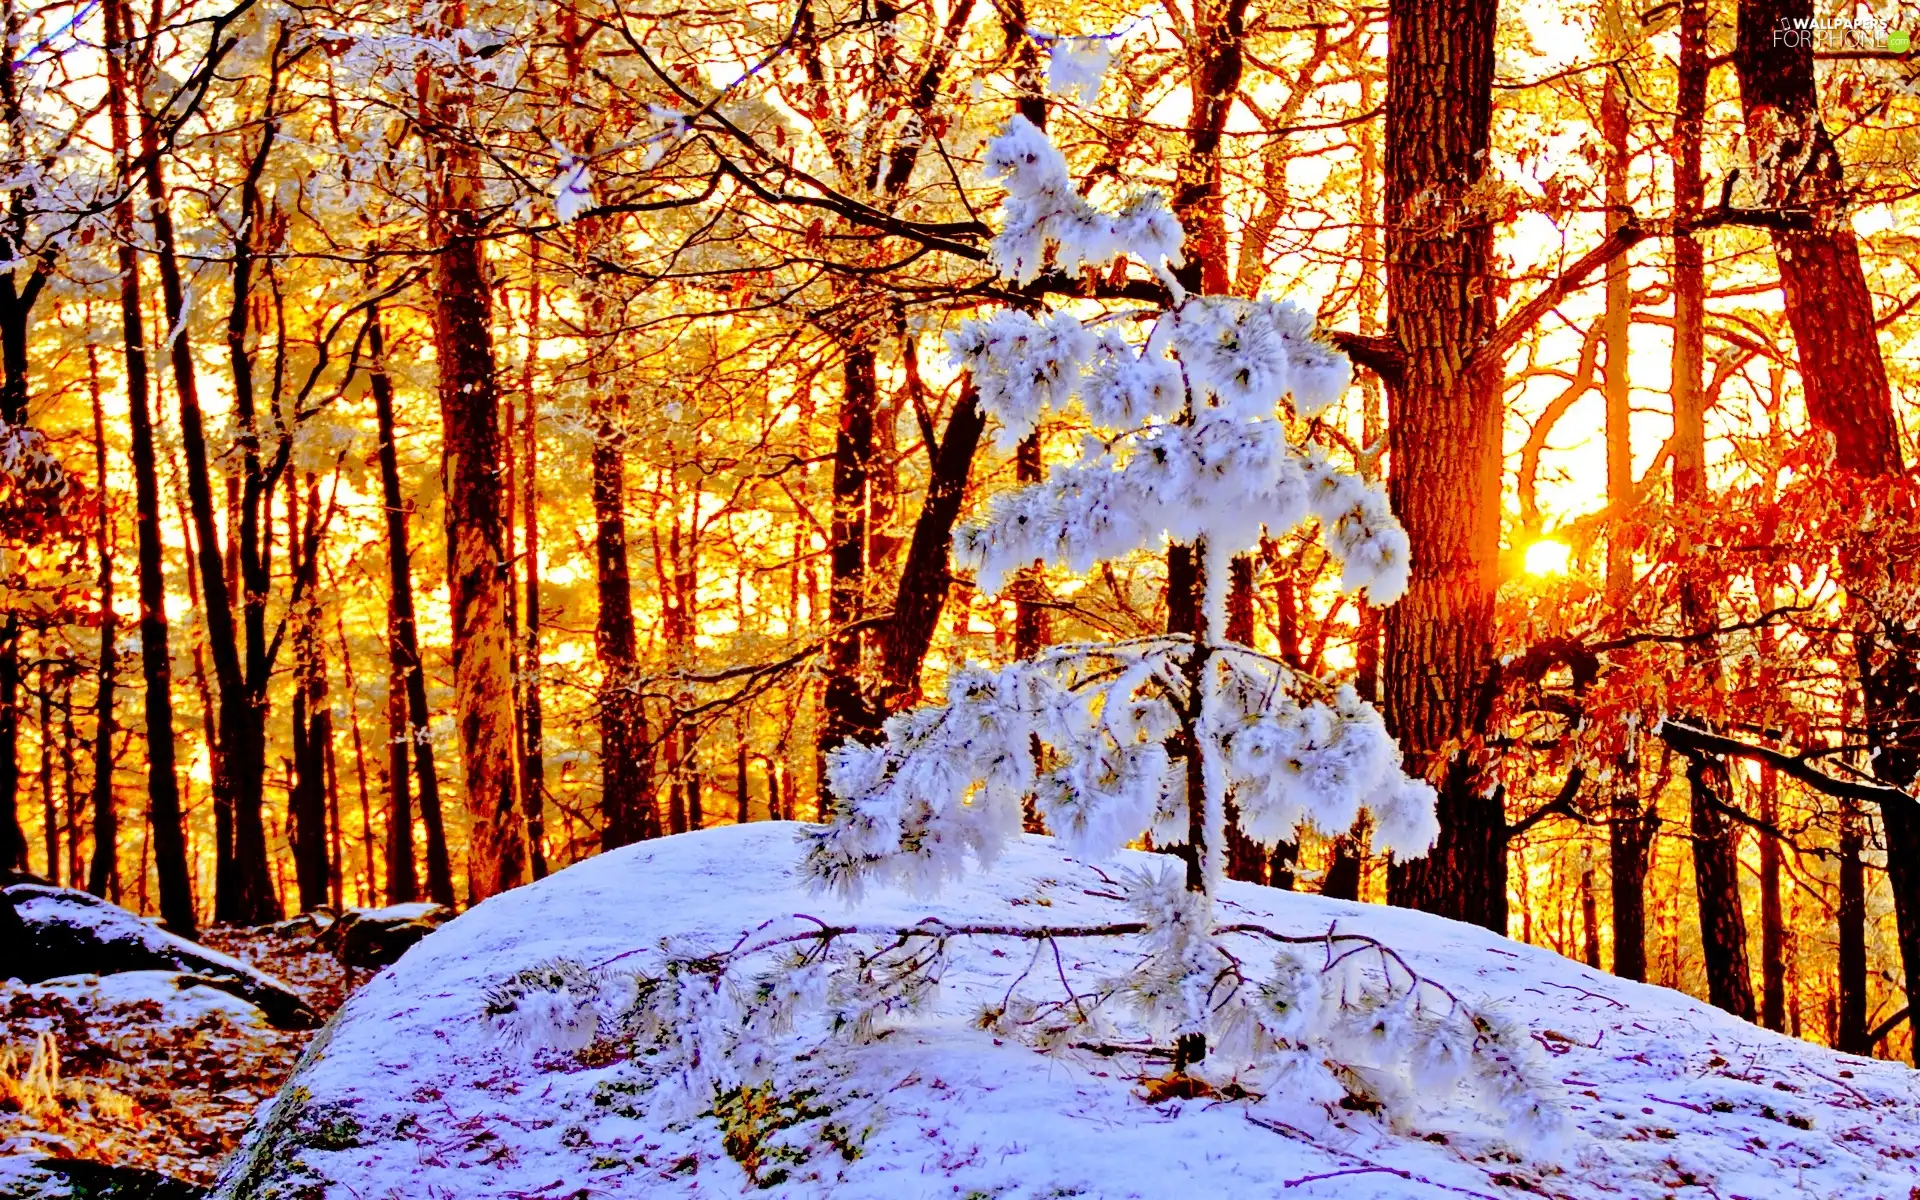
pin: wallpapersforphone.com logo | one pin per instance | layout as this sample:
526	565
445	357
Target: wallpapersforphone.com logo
1841	33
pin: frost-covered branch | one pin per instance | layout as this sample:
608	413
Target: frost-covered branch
1329	1016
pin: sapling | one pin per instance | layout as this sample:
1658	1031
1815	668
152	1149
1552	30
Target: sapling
1152	736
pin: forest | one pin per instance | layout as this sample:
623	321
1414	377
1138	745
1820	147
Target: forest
443	442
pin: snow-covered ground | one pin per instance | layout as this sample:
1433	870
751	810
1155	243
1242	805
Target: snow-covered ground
414	1092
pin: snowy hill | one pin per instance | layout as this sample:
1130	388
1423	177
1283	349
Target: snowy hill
414	1091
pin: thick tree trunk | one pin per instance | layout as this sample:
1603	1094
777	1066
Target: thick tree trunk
1723	925
242	720
1629	828
1845	381
1716	877
924	578
1445	440
476	572
472	448
1246	860
1630	836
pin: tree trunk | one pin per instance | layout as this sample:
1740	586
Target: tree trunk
312	715
369	880
1723	926
163	784
1445	439
242	721
1716	877
1773	930
533	766
1845	380
1245	858
627	810
477	579
1629	829
845	712
407	683
1029	615
924	578
13	837
1630	836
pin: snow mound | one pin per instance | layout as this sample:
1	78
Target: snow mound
413	1091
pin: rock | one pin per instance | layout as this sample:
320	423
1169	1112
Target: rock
372	938
36	1178
312	924
49	932
416	1088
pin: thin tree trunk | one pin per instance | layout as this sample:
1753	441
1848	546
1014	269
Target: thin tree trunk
70	784
627	811
163	784
1773	931
49	816
471	448
1445	439
1629	829
1589	913
312	711
146	489
846	713
408	720
533	763
13	837
740	793
369	881
1723	929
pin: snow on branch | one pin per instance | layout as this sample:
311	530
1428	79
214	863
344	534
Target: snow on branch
1086	731
1323	1017
1199	449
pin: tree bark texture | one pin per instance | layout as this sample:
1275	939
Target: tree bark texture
1445	441
472	450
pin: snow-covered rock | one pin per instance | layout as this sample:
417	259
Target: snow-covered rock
63	931
376	937
413	1091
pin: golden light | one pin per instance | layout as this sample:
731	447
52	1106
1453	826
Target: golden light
1548	557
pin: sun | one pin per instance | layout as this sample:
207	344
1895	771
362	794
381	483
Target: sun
1548	557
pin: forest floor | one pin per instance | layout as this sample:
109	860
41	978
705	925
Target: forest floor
133	1070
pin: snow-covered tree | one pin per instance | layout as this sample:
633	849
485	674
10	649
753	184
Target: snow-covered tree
1151	736
1111	743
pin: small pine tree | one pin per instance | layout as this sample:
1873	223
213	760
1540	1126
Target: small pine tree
1150	735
